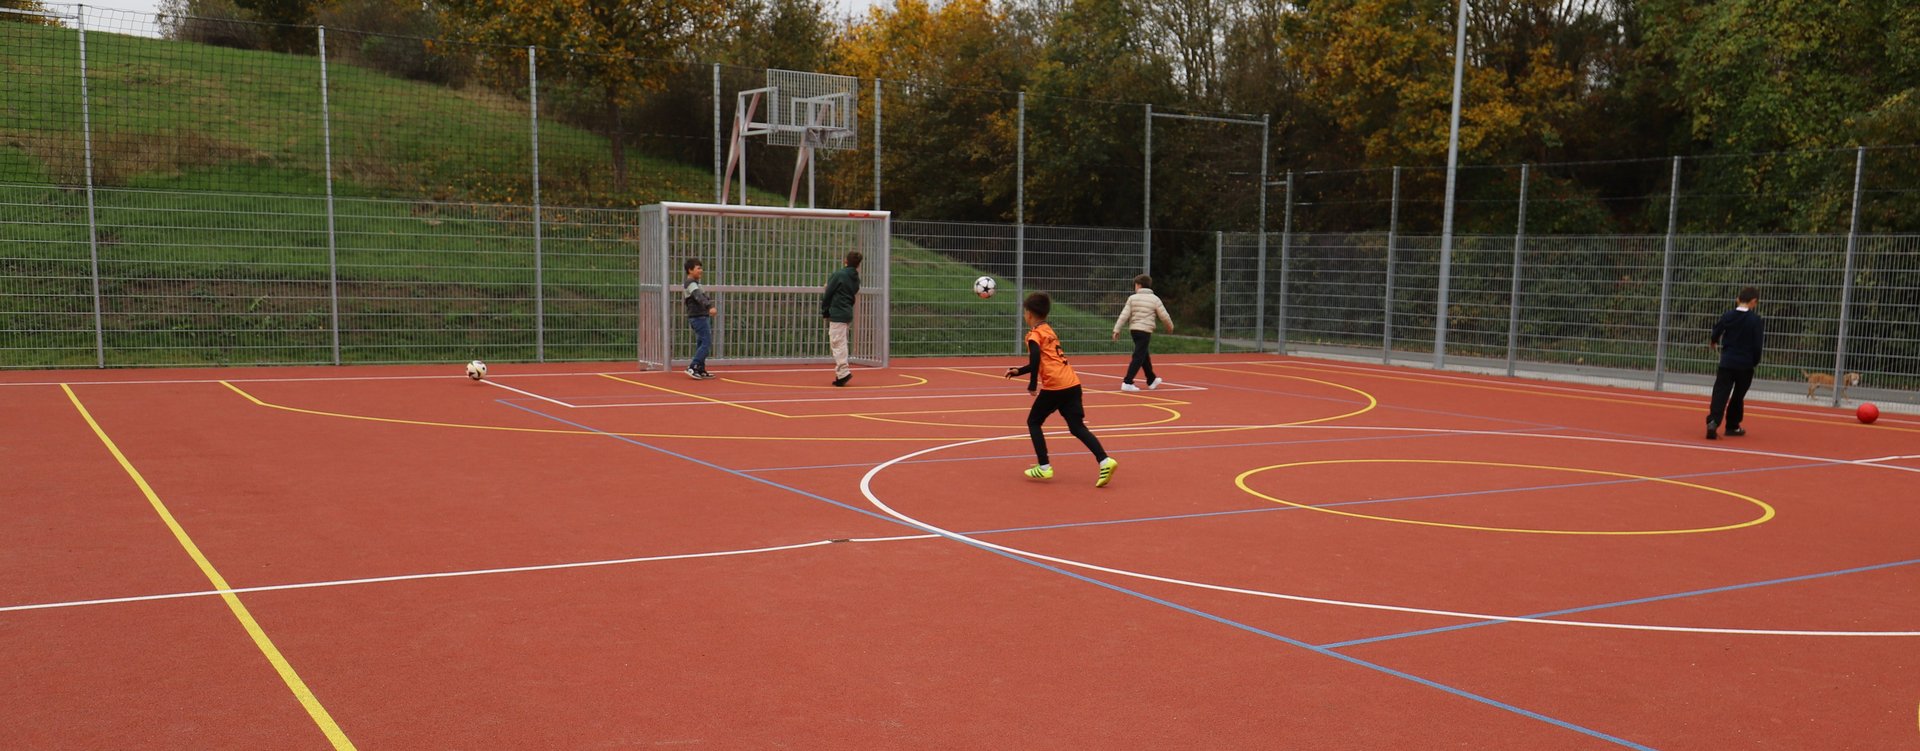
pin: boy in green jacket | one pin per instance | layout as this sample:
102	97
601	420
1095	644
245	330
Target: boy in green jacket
836	306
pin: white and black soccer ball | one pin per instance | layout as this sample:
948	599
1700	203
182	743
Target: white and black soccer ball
983	287
476	370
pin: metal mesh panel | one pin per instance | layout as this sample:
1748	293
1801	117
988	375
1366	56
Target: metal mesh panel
1337	283
213	277
46	276
935	311
434	281
593	308
1240	309
1590	300
1089	273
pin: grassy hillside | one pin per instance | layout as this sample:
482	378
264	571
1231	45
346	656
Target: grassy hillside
213	235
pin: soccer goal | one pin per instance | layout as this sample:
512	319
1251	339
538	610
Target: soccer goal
766	268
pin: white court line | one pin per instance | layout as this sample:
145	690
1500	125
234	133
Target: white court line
448	574
866	489
1889	458
528	393
1527	382
806	401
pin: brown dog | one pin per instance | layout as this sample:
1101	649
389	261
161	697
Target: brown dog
1817	381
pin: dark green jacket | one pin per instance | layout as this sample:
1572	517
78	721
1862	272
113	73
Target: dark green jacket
836	303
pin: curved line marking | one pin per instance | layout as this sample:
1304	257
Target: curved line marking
917	381
1173	414
1766	511
866	489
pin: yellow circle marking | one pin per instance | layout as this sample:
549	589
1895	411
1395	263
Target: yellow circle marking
1372	404
1767	512
917	381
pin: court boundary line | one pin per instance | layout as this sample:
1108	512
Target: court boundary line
281	665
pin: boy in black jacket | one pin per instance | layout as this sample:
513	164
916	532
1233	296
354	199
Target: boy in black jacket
700	312
1740	334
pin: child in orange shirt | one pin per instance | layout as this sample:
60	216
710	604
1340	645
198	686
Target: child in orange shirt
1056	388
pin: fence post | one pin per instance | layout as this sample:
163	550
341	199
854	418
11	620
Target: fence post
1666	281
1846	282
1219	300
1146	207
1387	302
1020	222
718	179
539	259
876	146
1260	242
1286	253
333	260
1386	308
1513	299
93	224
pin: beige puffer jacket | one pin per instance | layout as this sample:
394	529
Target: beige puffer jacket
1139	312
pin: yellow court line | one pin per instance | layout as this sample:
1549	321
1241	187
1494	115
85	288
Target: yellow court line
917	381
1173	414
1766	513
770	413
555	431
1161	399
988	409
1582	397
285	669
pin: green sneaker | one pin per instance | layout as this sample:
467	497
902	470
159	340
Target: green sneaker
1107	466
1040	472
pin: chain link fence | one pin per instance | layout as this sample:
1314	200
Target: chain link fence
358	197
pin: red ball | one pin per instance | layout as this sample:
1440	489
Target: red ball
1867	413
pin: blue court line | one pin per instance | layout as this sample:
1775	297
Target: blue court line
1463	693
1247	444
1623	603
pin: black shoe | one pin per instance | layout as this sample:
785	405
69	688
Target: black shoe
1711	426
842	380
1736	432
704	375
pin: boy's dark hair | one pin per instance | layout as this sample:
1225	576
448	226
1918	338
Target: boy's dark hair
1143	280
690	264
1749	294
1039	304
854	258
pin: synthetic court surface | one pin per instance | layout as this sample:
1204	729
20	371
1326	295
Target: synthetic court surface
1294	554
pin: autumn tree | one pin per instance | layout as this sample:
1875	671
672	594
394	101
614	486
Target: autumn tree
610	50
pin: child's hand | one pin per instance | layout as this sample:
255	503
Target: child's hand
1011	372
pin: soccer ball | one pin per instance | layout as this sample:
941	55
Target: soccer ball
983	286
476	370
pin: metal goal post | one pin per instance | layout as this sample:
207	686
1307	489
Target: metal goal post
766	268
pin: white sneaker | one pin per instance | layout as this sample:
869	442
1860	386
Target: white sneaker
1156	383
691	373
1124	386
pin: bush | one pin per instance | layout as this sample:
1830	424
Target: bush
406	45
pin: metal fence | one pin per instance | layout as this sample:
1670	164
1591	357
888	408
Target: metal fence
342	212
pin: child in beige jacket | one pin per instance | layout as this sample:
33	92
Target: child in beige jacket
1138	317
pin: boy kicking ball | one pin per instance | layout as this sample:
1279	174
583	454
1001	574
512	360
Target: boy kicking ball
1056	388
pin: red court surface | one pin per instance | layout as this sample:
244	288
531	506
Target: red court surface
1294	553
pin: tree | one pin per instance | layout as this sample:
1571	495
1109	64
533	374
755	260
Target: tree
608	50
30	6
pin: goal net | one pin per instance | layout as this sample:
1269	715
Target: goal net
766	268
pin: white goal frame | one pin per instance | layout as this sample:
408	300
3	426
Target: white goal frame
766	268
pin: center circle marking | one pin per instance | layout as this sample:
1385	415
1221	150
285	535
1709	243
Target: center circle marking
1766	511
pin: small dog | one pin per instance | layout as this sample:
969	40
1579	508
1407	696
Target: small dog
1817	381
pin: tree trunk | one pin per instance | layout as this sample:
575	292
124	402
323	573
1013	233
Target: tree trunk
617	137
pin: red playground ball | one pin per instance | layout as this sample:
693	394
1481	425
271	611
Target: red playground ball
1867	413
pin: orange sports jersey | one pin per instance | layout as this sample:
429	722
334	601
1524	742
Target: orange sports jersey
1055	373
